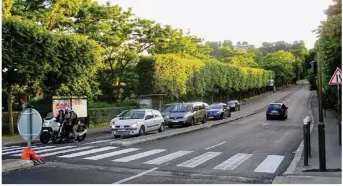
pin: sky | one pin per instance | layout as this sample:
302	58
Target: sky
254	21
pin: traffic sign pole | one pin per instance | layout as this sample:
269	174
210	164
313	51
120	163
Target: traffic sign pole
29	129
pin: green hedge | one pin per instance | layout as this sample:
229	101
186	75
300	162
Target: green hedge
172	75
103	115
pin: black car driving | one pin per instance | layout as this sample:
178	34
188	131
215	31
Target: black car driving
218	111
277	111
234	105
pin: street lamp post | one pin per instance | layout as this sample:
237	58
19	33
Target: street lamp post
321	126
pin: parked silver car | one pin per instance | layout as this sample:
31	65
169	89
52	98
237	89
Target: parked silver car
187	114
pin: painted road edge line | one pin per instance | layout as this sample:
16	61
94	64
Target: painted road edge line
297	157
136	176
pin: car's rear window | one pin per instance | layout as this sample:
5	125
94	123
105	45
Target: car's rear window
274	107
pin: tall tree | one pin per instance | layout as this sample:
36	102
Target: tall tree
282	63
329	46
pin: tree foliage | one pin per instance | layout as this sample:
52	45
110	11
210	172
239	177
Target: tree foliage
329	46
177	76
282	63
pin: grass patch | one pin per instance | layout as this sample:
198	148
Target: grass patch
8	137
101	125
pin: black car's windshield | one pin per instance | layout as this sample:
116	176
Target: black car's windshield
133	115
215	107
167	108
274	107
182	108
231	102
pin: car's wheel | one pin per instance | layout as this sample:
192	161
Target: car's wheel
170	125
222	116
204	120
141	131
191	122
162	127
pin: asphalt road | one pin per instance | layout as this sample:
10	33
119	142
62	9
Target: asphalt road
251	150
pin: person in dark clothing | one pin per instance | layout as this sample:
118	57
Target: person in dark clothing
60	116
71	117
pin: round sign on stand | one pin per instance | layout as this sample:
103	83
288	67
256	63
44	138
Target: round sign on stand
29	124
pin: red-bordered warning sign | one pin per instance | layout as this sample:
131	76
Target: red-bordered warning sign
336	79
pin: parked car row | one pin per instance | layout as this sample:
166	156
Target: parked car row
139	121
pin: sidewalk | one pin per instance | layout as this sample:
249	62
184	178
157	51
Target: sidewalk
310	174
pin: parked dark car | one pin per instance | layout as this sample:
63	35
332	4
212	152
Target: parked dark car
218	111
277	111
234	105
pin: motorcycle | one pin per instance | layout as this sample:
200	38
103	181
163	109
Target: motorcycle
65	132
49	126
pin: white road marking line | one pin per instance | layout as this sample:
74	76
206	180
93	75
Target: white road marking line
139	155
215	145
136	176
168	157
111	154
33	149
270	164
87	152
233	162
101	141
199	159
264	124
9	147
14	148
48	150
65	151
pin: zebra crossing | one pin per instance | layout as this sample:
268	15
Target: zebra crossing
191	159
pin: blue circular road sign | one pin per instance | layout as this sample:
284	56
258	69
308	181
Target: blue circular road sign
29	124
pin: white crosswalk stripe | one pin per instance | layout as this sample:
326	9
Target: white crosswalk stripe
168	157
11	147
19	151
270	164
88	152
14	148
199	159
48	150
139	155
65	151
111	154
94	142
233	162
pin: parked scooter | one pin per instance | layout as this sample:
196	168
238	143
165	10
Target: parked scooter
49	126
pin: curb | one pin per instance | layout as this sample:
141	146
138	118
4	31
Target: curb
297	157
129	142
16	165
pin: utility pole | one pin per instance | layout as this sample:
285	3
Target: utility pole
321	126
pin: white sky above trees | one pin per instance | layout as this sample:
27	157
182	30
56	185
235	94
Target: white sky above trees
254	21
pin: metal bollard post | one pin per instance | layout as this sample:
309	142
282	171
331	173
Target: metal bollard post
306	146
309	138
